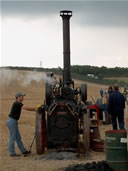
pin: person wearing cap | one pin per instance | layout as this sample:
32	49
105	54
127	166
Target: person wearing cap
107	112
116	105
12	124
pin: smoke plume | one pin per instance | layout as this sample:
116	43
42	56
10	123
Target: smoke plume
7	76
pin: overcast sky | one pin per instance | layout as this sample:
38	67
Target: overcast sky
31	33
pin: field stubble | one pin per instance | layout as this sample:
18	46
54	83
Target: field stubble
35	93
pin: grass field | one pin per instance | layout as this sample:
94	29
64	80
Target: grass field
118	78
33	84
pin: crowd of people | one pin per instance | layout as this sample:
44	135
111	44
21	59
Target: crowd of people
114	107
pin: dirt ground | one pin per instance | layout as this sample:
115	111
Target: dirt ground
32	83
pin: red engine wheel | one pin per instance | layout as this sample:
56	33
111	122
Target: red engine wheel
40	133
86	131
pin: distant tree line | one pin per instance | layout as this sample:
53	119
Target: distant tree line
100	72
81	73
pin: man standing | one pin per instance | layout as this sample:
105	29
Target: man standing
116	106
12	124
107	112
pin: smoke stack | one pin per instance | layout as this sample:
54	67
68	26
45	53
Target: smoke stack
66	46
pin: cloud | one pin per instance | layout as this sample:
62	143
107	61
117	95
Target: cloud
92	13
32	32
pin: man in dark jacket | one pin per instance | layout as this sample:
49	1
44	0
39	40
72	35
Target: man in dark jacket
116	106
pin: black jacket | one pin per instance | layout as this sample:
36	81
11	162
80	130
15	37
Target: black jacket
116	102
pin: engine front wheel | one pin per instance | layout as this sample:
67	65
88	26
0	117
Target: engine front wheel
84	92
40	133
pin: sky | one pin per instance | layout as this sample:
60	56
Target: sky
32	35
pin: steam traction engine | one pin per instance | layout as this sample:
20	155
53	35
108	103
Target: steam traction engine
64	117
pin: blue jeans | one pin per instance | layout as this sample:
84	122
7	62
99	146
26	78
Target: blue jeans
12	125
106	113
120	117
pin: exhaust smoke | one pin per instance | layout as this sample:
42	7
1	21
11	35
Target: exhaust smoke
24	78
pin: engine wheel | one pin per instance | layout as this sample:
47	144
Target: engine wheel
86	131
40	133
48	92
84	92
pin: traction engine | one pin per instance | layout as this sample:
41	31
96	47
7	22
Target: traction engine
64	116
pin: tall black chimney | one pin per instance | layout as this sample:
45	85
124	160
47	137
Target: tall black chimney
66	46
